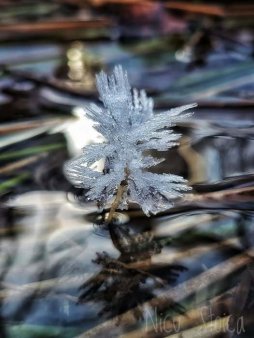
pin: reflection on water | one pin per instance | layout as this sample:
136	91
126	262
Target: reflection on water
49	256
62	277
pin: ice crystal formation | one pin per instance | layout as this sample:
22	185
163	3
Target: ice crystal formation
130	130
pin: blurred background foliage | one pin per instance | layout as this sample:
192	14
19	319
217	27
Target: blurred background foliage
64	274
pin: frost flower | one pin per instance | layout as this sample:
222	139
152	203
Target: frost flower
130	129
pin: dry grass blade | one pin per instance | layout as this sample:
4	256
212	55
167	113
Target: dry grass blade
222	195
196	8
215	308
7	128
20	164
165	259
117	2
13	291
52	26
217	327
212	10
205	330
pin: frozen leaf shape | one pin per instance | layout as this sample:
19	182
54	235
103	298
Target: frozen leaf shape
130	129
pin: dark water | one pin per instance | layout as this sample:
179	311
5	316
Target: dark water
63	273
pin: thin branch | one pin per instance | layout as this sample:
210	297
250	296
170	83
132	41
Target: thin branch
115	204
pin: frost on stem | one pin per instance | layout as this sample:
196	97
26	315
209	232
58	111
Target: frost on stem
130	129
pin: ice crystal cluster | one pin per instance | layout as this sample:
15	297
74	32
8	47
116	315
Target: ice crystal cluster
130	129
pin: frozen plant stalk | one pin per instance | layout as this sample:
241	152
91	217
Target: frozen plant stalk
130	129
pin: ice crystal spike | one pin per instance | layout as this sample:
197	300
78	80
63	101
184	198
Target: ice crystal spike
130	129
